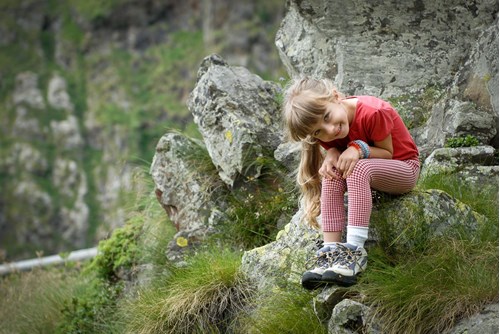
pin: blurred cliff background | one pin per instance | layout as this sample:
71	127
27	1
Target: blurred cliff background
87	88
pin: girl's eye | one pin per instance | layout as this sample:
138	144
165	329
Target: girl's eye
326	117
316	133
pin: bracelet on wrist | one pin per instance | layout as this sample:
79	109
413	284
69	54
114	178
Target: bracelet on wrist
362	147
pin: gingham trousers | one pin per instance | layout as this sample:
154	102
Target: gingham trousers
386	175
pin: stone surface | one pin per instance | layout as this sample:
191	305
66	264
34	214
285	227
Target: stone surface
436	61
57	94
238	116
447	160
436	212
366	53
187	190
350	317
485	322
284	261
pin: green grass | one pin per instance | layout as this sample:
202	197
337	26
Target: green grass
440	280
282	311
32	302
483	199
430	292
202	297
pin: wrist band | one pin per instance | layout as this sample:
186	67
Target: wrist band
362	147
356	145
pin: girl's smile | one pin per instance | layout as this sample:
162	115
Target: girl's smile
335	122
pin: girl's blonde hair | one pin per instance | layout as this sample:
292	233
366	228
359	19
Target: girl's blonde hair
304	104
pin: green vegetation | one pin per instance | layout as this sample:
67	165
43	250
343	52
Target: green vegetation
282	311
259	205
202	297
466	141
424	288
415	109
32	302
441	279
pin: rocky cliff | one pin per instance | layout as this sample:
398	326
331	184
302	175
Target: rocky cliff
87	88
437	62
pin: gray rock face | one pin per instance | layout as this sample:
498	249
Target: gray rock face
186	193
350	317
477	165
57	94
238	116
367	44
485	322
399	51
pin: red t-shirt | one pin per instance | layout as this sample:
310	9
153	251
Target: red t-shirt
375	119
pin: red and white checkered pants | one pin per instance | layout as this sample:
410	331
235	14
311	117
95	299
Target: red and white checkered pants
386	175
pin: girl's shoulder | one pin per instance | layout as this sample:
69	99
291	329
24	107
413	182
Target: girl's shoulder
373	102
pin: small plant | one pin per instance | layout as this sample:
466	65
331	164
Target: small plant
119	253
202	297
92	309
258	205
467	141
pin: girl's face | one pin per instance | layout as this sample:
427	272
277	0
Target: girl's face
333	125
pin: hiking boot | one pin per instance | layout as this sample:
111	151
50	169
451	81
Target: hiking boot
323	262
351	261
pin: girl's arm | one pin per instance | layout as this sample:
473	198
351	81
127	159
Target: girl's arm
382	149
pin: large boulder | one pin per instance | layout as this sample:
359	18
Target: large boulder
238	115
383	48
437	62
477	165
431	213
186	185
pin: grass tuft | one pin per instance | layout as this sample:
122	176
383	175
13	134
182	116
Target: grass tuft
201	297
431	292
283	311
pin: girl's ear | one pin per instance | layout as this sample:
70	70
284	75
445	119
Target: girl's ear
336	95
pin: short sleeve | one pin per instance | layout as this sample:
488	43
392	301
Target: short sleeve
380	124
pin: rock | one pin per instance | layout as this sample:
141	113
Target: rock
477	80
477	165
407	220
186	185
23	156
288	154
325	301
304	49
238	116
485	322
57	94
350	317
452	118
315	39
67	133
283	261
27	91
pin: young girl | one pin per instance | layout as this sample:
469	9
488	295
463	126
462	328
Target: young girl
365	146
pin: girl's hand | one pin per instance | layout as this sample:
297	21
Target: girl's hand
347	161
330	161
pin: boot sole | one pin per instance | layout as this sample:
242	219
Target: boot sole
313	281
